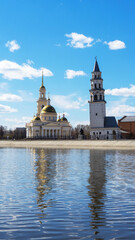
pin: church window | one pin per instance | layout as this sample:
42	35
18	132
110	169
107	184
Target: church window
42	106
99	85
100	97
107	132
95	97
96	114
93	133
49	118
99	132
95	85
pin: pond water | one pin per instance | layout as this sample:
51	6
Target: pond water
67	194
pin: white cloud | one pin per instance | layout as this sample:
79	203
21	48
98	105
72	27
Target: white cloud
115	45
65	113
3	86
7	109
23	120
8	97
126	92
68	102
71	73
15	122
12	45
121	110
12	70
74	124
76	40
27	96
58	45
30	62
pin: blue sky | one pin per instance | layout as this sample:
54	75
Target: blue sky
63	37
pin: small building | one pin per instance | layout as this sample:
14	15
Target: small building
45	124
101	126
20	133
127	126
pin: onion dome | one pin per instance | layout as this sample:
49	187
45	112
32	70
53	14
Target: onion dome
35	119
42	87
48	109
63	119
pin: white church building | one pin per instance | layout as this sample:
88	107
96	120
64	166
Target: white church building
101	126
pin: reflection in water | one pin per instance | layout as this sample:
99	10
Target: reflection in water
96	188
45	172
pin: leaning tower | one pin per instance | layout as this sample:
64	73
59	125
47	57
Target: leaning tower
97	103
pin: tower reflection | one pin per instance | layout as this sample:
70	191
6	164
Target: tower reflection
96	188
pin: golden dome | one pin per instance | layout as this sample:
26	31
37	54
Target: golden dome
48	109
63	119
36	119
42	87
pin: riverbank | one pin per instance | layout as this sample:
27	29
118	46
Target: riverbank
70	144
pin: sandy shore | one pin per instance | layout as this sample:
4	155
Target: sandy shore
71	144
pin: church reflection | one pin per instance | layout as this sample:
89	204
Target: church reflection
46	166
45	170
96	188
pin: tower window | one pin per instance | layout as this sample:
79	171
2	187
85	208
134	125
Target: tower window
95	97
96	114
93	133
100	97
99	85
42	106
95	85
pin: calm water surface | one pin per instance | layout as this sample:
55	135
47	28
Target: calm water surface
67	194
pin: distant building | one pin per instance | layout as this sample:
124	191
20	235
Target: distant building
20	133
45	123
101	126
127	126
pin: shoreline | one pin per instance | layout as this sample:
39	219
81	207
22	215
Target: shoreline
70	144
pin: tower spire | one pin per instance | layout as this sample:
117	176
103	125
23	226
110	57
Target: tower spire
42	79
96	67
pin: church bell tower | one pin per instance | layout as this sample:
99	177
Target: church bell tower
97	103
42	101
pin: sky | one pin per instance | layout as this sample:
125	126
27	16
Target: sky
62	38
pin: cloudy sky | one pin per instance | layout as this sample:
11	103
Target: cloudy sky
62	38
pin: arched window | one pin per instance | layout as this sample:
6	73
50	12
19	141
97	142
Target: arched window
95	97
95	85
99	85
100	97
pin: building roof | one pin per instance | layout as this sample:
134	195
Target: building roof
127	119
110	122
96	67
48	109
